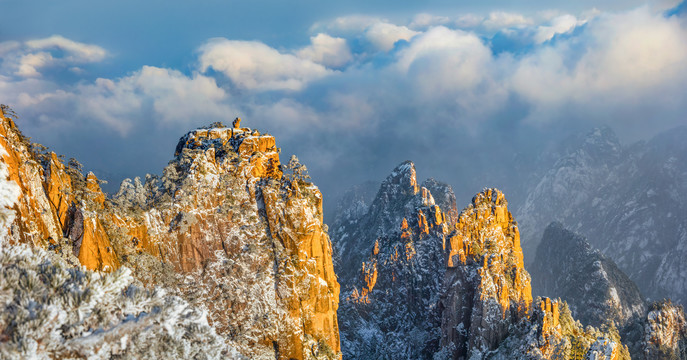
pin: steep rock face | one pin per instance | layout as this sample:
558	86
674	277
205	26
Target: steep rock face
223	226
36	221
432	288
91	244
250	242
394	200
389	298
593	286
539	336
444	197
628	201
50	207
665	332
58	186
486	286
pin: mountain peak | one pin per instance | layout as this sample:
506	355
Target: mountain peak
404	175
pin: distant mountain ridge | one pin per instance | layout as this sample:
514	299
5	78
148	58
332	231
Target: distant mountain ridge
629	201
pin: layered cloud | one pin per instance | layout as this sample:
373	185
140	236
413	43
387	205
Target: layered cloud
255	66
329	51
29	58
364	85
170	97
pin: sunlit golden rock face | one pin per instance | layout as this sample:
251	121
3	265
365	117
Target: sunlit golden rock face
250	239
37	222
486	286
84	227
48	209
58	186
546	313
665	332
246	242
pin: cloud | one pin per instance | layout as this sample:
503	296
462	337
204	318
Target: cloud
365	101
350	25
384	35
174	98
501	19
332	52
76	51
558	25
166	97
424	20
618	62
253	65
468	21
378	33
30	63
29	58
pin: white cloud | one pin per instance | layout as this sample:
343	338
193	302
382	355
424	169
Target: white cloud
558	25
501	20
616	64
468	21
377	32
30	63
454	46
77	52
329	51
255	66
165	97
619	62
175	98
384	35
28	59
424	20
346	25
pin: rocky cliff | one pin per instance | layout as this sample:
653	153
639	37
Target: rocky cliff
249	239
391	271
55	202
592	285
224	227
665	332
429	285
486	286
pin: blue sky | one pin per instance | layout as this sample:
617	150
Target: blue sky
352	88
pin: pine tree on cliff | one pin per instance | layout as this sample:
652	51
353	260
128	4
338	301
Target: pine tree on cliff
296	170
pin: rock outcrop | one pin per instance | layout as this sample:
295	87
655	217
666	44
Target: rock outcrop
55	202
592	285
227	226
37	220
486	286
472	301
665	332
390	294
249	239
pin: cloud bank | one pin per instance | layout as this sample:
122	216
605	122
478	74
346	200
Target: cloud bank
451	93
